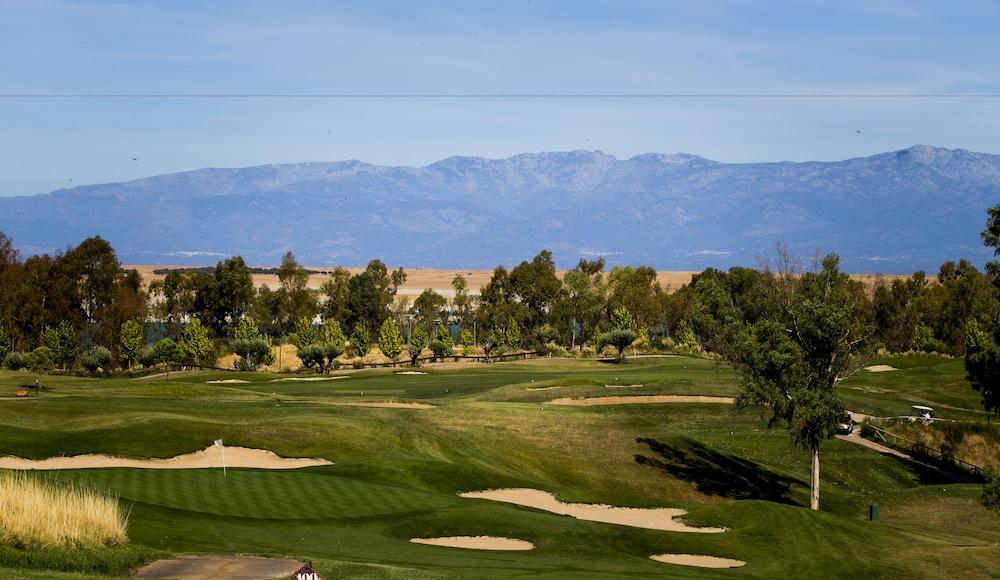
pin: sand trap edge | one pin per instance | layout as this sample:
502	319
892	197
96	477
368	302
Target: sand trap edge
209	458
647	518
477	543
698	561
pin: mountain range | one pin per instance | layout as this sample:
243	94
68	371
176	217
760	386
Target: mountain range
893	212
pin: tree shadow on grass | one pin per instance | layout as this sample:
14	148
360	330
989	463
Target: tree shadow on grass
717	473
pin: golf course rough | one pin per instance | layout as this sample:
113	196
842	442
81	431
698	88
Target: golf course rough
649	518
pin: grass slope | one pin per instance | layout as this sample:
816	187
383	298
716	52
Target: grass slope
397	471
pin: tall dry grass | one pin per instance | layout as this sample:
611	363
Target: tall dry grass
38	514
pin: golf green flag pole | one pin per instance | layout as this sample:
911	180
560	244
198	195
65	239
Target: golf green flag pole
218	443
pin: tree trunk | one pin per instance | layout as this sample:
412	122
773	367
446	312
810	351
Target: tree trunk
814	480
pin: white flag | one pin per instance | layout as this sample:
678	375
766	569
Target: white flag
218	442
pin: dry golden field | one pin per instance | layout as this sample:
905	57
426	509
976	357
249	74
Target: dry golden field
418	279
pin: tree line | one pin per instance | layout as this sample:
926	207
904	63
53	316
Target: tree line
80	308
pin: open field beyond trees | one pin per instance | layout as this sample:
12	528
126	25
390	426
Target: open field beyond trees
397	472
439	280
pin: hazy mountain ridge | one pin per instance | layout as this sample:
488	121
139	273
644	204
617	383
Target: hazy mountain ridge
891	212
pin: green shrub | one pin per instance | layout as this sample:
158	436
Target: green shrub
440	348
867	429
96	358
254	353
313	356
991	489
39	359
15	361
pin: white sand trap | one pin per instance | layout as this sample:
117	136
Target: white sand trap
650	518
635	386
639	399
411	373
880	368
210	457
476	543
542	388
388	405
227	381
698	561
308	379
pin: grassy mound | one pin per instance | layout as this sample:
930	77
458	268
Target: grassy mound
38	514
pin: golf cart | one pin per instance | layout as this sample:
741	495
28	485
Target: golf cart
846	425
922	412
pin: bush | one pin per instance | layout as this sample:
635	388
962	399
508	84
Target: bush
991	489
15	361
553	349
440	348
867	430
39	359
618	338
96	358
313	356
166	351
254	353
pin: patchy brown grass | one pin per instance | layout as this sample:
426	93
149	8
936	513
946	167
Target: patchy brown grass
37	514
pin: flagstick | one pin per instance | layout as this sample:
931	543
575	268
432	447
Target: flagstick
223	460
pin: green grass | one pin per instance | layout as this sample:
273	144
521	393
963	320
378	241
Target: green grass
397	472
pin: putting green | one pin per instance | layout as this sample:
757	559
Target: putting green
259	494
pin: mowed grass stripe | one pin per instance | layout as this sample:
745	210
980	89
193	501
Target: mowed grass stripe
260	494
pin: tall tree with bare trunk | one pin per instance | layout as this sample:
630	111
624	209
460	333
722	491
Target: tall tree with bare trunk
792	362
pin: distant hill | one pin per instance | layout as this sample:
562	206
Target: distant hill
892	212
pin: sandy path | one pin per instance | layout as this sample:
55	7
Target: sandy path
210	457
227	382
308	379
387	405
201	567
639	399
476	543
650	518
880	368
698	561
411	373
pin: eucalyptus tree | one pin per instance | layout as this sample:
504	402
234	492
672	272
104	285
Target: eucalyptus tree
792	361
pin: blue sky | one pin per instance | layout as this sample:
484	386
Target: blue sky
520	49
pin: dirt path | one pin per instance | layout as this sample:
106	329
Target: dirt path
208	458
856	438
208	567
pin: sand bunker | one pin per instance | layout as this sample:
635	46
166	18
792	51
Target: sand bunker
542	388
411	373
880	368
227	381
636	386
476	543
308	379
388	405
639	399
210	457
699	561
650	518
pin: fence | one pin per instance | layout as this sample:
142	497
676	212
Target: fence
926	452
